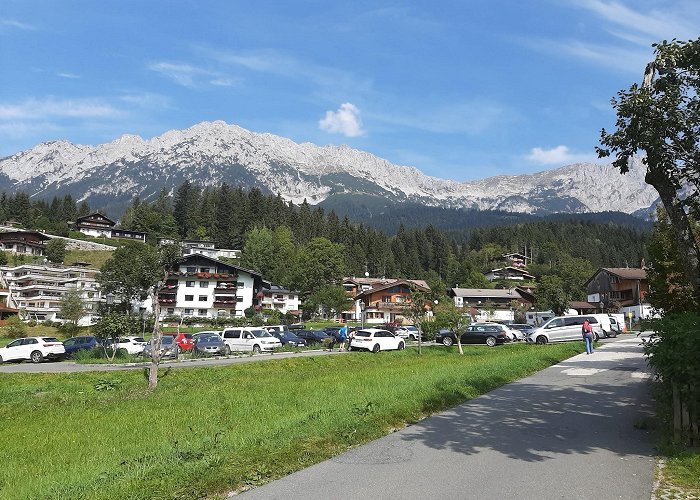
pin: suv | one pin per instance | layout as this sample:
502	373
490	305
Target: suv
75	344
35	349
250	339
564	328
477	333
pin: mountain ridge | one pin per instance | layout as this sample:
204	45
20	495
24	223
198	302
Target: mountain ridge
210	153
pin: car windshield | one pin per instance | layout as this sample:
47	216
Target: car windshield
209	337
139	339
168	340
260	333
49	339
70	341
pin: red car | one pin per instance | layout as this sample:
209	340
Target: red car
185	341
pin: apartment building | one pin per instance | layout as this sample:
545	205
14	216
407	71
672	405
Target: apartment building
36	290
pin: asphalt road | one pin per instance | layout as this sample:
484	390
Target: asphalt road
565	432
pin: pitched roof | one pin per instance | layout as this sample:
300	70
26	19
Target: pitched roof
388	284
220	262
629	273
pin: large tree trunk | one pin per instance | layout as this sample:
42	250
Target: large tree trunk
685	240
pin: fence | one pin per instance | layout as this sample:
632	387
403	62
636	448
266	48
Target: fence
685	415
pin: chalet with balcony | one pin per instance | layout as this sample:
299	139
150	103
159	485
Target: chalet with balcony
23	242
101	226
209	288
619	288
509	273
516	260
491	304
280	299
386	301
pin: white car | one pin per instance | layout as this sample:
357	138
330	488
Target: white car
412	332
133	345
401	331
35	349
250	339
375	340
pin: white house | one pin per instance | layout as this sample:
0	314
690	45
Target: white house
279	299
208	288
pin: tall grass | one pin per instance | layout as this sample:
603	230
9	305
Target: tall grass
212	430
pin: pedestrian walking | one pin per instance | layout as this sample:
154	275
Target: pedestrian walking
342	337
587	332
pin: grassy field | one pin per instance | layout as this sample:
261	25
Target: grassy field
96	258
206	431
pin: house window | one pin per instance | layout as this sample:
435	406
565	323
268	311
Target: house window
189	284
171	310
203	284
205	270
189	298
239	299
188	312
202	298
400	299
240	284
386	298
191	269
202	312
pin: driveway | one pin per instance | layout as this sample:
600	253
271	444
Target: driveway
565	432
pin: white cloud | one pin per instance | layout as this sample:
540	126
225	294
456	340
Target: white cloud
51	107
70	76
346	120
13	23
559	155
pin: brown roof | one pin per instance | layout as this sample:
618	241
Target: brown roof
628	273
388	284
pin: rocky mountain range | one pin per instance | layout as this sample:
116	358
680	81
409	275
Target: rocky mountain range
209	153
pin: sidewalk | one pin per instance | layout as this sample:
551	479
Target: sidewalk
565	432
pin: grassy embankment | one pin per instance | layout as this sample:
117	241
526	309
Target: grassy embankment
210	430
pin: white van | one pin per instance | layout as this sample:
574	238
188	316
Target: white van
250	339
565	328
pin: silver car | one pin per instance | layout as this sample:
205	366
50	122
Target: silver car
565	328
210	343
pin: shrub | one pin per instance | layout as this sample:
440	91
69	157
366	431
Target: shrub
15	328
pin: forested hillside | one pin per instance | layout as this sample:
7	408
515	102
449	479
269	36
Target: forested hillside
228	215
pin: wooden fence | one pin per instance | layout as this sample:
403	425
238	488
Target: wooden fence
686	418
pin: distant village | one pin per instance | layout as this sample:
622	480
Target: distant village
205	286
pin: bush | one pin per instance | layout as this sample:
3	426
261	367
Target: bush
15	328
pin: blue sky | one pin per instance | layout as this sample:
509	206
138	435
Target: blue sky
459	89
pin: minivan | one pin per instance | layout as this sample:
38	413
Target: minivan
565	328
250	339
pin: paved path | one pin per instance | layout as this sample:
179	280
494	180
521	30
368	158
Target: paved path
565	432
72	366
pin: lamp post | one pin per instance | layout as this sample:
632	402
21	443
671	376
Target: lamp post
362	314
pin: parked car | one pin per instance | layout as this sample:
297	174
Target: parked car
75	344
617	327
210	343
413	332
35	349
132	345
565	328
312	336
297	326
286	337
332	331
476	333
168	348
375	340
250	339
605	324
522	327
185	341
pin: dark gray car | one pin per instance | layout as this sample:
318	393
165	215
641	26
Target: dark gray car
168	348
210	343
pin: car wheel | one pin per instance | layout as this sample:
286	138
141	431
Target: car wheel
412	337
0	360
447	341
401	346
596	337
227	350
613	333
36	357
490	341
541	340
375	348
256	349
